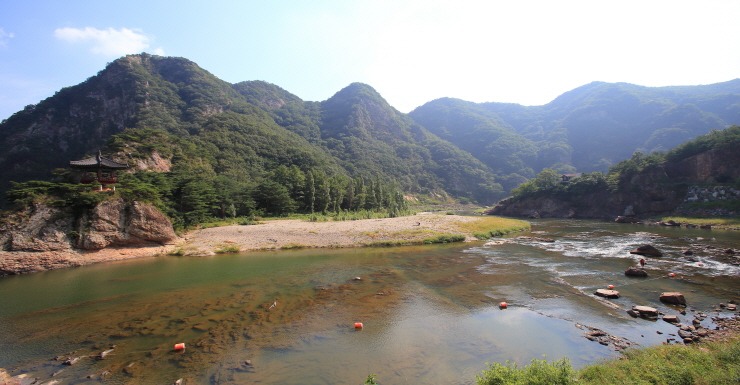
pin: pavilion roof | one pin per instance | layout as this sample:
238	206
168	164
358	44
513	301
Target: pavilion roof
98	161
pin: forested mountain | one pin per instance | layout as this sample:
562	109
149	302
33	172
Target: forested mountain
585	129
240	148
248	145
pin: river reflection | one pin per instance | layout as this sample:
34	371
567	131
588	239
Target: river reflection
430	313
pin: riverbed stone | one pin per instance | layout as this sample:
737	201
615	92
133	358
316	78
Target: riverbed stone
647	250
645	311
675	298
671	319
606	293
635	272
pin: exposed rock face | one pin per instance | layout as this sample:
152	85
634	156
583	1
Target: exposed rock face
44	238
643	194
113	223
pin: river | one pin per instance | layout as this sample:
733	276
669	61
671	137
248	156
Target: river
430	314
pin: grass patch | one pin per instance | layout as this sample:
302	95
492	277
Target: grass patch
707	363
228	249
177	253
729	222
444	238
290	246
488	227
538	372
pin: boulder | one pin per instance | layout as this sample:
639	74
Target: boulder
606	293
622	219
645	311
675	298
647	250
672	319
635	272
732	307
688	252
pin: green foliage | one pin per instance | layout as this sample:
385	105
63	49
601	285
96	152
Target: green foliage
445	238
370	380
538	372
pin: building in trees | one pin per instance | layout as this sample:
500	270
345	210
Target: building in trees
98	168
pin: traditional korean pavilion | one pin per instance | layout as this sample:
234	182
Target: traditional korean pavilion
99	169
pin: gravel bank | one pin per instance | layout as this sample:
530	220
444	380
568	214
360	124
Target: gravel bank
293	233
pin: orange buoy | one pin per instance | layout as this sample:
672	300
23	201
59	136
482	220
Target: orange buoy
358	325
503	305
671	275
611	287
180	346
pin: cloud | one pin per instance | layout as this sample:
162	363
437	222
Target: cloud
108	42
5	37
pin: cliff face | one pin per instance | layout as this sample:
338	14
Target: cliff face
643	199
42	238
653	192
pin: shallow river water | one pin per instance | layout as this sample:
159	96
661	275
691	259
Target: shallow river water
430	314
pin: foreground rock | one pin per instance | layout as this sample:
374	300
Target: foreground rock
45	238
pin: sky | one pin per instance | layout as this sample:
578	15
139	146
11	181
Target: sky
410	51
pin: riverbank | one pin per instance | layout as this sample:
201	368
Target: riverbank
271	235
296	233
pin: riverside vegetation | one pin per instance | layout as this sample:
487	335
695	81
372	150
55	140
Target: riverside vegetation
709	363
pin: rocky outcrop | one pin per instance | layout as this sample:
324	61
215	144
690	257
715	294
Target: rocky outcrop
44	238
658	190
118	223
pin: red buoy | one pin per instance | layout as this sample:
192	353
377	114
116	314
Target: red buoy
180	346
611	287
358	325
503	305
671	275
699	264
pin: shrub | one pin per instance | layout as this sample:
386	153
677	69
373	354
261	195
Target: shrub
536	373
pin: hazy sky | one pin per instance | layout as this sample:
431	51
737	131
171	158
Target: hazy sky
411	52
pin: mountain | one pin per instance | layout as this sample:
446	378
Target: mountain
585	129
169	115
252	144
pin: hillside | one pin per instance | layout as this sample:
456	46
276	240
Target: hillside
586	129
698	177
244	149
251	143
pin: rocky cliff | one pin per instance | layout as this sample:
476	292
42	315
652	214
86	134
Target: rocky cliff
657	190
43	238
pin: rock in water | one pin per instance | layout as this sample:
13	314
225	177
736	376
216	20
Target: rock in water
635	272
675	298
607	293
672	319
646	311
647	250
